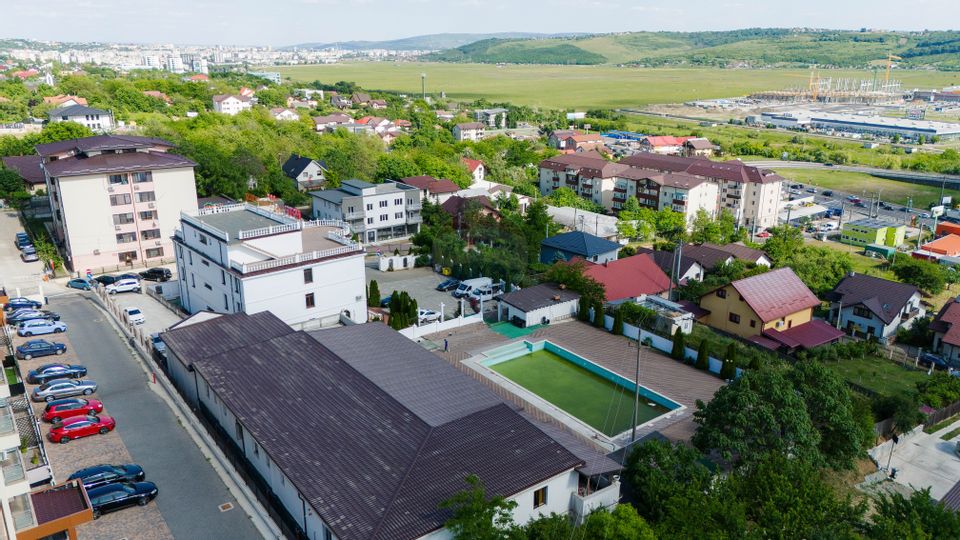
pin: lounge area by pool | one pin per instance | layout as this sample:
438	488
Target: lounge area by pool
594	395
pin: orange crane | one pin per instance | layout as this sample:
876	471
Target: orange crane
890	59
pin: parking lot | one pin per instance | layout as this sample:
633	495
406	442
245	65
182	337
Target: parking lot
420	284
147	433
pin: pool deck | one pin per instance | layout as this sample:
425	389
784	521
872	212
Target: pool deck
658	372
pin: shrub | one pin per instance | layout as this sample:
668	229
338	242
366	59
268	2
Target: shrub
584	311
678	347
598	315
618	322
703	358
728	370
373	294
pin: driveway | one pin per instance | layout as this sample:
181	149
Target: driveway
924	460
14	273
420	284
148	432
158	317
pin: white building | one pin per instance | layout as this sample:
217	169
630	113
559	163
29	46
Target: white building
116	199
283	114
494	118
540	304
271	76
469	131
242	258
861	123
97	120
377	414
228	104
175	64
374	212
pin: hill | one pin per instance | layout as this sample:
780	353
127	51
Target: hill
758	47
430	42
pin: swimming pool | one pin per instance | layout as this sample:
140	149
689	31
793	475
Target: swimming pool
587	391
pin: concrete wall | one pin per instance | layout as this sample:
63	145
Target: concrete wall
553	313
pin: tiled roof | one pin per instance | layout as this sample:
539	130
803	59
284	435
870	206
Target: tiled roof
61	98
431	184
884	298
296	163
455	205
539	296
708	257
807	336
775	294
739	251
472	164
630	277
100	143
665	260
114	163
951	499
375	462
223	97
678	180
947	322
948	245
336	118
580	243
76	110
699	143
471	125
734	170
58	502
666	140
28	167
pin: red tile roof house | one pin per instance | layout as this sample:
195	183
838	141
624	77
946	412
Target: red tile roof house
946	332
629	279
664	144
435	190
475	168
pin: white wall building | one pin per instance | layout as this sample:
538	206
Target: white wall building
469	131
540	304
116	200
97	120
228	104
374	212
242	258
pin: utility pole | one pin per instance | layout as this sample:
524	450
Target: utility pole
423	86
636	388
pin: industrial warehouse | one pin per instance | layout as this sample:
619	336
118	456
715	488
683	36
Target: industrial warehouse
854	123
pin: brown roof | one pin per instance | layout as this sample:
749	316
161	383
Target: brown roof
708	257
946	322
806	336
699	144
590	137
734	170
114	163
456	204
157	94
471	125
775	294
100	143
678	180
61	98
539	296
28	167
472	164
431	184
58	502
222	97
885	298
630	277
740	251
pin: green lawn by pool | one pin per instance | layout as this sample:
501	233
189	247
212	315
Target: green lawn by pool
601	404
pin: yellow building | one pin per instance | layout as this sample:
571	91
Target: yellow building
773	301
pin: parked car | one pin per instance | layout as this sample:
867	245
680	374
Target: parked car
829	226
156	274
82	284
763	234
811	190
29	254
49	372
39	327
105	279
385	301
427	315
35	348
81	426
20	236
134	315
929	359
448	285
886	206
158	343
827	193
860	204
22	315
22	241
20	302
61	388
60	409
113	497
102	475
124	285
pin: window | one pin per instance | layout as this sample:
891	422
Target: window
140	177
369	206
154	253
734	318
190	256
203	239
311	302
753	323
398	215
150	234
226	303
146	196
127	256
861	311
126	238
383	204
349	209
122	219
208	287
239	430
118	179
369	221
236	285
384	217
193	281
308	275
117	200
721	293
256	450
398	202
204	262
223	278
540	497
149	215
327	533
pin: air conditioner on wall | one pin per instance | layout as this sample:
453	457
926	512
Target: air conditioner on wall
110	189
96	252
136	188
151	205
158	242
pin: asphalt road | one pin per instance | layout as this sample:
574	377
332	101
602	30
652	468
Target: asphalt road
190	490
774	164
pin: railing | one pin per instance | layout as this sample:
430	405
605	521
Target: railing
266	231
12	468
295	259
7	424
414	206
205	226
910	314
21	510
607	497
415	219
222	209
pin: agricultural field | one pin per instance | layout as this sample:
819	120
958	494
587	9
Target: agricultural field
892	191
578	87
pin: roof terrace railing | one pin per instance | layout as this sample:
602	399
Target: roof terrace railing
295	259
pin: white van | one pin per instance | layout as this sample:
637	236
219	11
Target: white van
124	285
468	285
485	293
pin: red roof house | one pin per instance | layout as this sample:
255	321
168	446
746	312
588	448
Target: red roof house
629	278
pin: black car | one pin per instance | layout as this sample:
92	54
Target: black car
20	303
128	276
49	372
827	193
448	285
30	314
106	279
118	496
36	348
156	274
102	475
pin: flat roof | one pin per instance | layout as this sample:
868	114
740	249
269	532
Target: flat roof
873	223
234	222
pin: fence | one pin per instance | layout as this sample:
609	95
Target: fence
126	267
415	332
940	415
137	336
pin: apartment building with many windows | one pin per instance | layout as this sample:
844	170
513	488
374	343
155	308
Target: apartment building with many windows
116	199
243	258
374	212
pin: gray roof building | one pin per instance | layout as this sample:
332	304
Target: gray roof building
538	296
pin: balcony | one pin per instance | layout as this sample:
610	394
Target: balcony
679	202
12	467
353	216
910	314
21	510
595	493
620	190
621	197
572	181
414	219
414	205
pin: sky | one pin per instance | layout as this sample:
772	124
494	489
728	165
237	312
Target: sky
288	22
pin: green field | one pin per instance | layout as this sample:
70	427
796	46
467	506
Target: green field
863	184
579	87
596	401
880	375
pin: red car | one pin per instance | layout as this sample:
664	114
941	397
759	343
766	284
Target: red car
81	426
59	409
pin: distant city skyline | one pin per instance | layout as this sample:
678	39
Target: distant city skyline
289	22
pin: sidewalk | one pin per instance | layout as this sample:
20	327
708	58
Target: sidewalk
924	460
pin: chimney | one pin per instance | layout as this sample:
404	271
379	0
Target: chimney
562	286
556	298
851	273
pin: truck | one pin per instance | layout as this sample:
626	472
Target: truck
468	285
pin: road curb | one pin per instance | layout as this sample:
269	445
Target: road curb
258	515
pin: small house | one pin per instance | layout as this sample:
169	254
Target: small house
541	304
567	246
308	174
869	306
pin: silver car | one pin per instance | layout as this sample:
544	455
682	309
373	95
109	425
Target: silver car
61	388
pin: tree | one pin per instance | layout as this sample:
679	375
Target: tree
919	517
477	517
48	253
758	413
10	182
583	311
63	131
729	369
617	329
394	166
925	275
373	294
624	523
598	315
571	275
784	240
657	471
679	349
703	360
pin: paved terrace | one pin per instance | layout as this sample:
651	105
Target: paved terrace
658	372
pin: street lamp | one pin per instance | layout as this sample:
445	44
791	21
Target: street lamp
423	86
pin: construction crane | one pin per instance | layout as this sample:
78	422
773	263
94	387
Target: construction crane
814	85
890	59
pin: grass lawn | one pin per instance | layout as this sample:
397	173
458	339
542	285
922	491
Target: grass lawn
606	407
861	263
580	87
878	374
858	183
